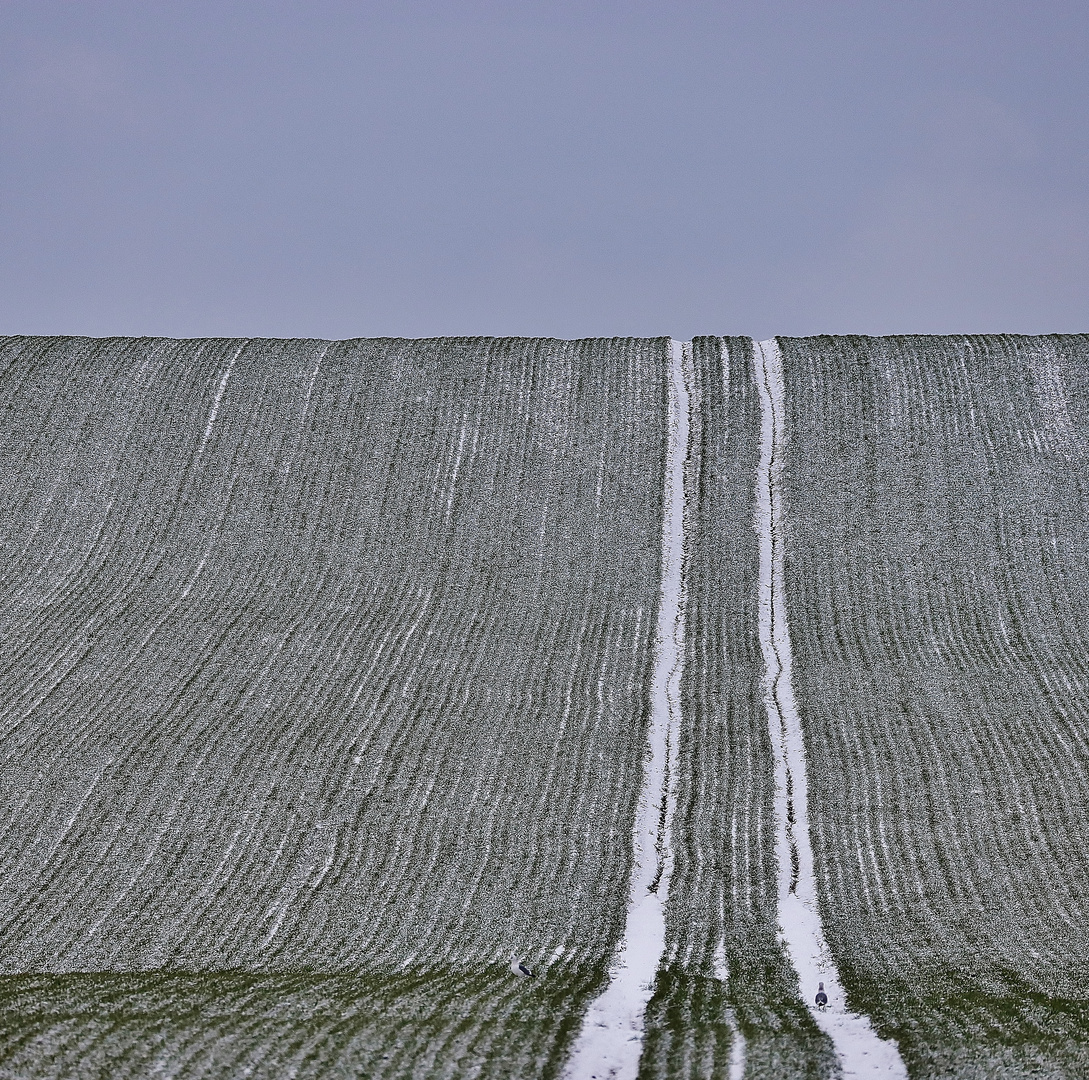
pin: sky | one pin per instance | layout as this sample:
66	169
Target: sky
353	169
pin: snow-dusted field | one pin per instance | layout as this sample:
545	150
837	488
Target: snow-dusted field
320	659
334	673
936	510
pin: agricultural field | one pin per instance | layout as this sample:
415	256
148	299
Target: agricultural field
336	676
936	495
323	685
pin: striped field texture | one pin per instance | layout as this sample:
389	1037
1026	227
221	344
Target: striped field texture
724	973
322	690
936	499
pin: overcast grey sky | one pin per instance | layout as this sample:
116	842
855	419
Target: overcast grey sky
340	169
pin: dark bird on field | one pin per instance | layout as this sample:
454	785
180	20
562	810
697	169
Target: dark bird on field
821	998
519	968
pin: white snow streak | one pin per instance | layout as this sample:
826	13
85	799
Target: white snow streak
611	1040
861	1052
737	1039
218	398
1052	393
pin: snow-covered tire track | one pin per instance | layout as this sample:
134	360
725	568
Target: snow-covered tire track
861	1052
726	999
611	1040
